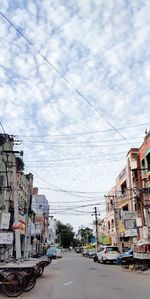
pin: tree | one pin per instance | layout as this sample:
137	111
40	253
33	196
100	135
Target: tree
65	234
86	235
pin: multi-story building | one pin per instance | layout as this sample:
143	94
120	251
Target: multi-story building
110	219
144	186
40	207
128	203
15	197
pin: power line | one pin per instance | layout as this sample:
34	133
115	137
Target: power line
47	144
84	133
75	165
56	189
75	158
64	78
78	142
2	127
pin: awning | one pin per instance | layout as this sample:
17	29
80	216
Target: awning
122	204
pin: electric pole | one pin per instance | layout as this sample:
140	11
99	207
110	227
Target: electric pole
16	211
96	226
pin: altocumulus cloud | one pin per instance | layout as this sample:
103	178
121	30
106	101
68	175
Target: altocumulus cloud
102	48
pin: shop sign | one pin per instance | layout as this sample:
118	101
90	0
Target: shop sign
121	227
128	215
131	233
6	238
5	219
130	223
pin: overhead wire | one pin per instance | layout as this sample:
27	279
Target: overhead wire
83	133
2	127
75	165
63	76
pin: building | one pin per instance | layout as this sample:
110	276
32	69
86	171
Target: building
40	207
144	187
15	198
128	202
110	219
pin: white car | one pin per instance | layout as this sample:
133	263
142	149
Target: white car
108	254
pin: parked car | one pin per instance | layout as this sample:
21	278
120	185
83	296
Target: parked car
108	254
58	253
91	253
52	252
124	255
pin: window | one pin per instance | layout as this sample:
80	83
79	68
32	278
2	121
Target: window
112	223
123	188
143	163
148	161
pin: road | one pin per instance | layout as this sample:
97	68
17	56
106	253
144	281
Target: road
75	277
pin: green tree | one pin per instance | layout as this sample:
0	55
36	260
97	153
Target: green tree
86	234
65	234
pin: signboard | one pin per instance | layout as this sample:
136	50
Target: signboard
5	219
105	240
131	233
121	227
128	215
93	239
130	223
6	238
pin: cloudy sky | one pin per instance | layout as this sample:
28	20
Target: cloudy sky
74	90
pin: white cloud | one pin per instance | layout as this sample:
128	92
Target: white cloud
102	48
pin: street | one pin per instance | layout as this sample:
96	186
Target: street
75	277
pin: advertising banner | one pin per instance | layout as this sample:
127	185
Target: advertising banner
130	223
128	215
131	233
5	219
6	238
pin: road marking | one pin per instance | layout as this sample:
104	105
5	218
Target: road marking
65	284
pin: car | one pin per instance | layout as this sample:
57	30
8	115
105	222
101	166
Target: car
108	254
58	253
52	252
91	253
124	255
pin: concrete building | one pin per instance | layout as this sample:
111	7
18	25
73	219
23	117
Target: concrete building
40	207
144	187
110	219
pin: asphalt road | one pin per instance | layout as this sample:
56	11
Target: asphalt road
75	277
81	278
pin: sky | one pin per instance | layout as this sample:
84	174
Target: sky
74	91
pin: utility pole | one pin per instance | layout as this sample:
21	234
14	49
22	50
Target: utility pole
16	211
96	225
